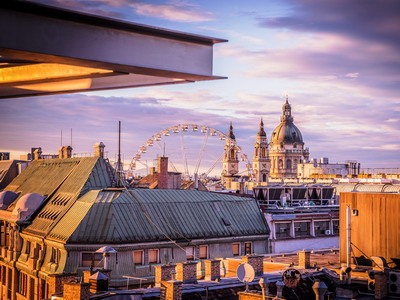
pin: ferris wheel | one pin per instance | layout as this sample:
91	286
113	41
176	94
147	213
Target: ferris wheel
191	149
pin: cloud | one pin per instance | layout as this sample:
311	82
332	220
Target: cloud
174	11
372	21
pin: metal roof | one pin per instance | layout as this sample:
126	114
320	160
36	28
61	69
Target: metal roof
132	216
63	181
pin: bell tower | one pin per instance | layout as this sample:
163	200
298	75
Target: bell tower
261	162
230	165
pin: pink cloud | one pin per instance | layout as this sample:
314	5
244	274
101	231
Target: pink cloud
182	12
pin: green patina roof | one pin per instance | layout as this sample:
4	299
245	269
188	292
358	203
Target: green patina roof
131	216
63	181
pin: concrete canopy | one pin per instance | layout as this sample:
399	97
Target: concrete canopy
47	50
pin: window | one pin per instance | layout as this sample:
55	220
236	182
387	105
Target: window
288	164
302	229
138	257
321	227
236	249
247	248
2	233
203	252
154	256
28	247
282	230
189	253
55	255
335	226
22	284
92	259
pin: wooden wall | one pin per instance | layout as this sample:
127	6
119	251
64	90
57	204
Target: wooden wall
376	229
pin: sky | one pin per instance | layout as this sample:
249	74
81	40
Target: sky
338	62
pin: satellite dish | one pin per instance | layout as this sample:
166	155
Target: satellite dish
245	273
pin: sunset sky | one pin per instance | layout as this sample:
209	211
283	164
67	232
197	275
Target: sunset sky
338	62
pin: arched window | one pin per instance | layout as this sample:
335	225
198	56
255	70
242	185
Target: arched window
263	153
264	177
232	154
288	164
280	164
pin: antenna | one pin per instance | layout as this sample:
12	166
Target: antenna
163	150
61	138
71	138
119	157
245	273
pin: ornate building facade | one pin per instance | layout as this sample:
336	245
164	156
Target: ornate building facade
230	164
286	148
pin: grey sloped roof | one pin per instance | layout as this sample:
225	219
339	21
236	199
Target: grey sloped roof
63	181
132	216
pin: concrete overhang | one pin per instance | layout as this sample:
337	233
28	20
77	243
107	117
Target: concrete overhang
47	50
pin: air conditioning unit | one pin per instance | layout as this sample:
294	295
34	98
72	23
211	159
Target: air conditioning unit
371	280
328	232
394	282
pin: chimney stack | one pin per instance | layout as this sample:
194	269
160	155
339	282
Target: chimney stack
163	172
99	149
37	153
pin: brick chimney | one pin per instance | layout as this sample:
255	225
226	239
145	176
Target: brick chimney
171	290
187	272
76	290
65	152
304	259
256	261
212	270
37	153
99	149
163	273
163	172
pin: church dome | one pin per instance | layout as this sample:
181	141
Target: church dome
286	132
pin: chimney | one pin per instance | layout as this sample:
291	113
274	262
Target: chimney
61	152
76	290
187	272
256	261
99	149
152	170
171	290
304	259
212	269
98	282
163	172
67	150
37	153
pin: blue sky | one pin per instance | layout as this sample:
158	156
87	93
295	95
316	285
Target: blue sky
338	62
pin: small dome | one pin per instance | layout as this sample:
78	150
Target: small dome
286	133
27	205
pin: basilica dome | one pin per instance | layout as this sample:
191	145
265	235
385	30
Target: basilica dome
286	132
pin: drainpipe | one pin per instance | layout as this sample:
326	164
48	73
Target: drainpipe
348	235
